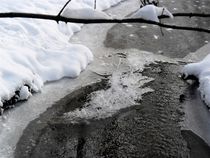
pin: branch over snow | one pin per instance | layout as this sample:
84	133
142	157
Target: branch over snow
59	14
95	21
202	15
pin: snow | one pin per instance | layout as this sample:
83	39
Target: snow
126	88
86	13
104	103
24	93
201	70
33	52
151	12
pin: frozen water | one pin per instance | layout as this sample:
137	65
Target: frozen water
124	91
126	88
32	46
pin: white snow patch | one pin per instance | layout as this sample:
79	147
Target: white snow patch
151	12
169	29
33	52
144	26
131	35
155	37
202	71
129	25
24	93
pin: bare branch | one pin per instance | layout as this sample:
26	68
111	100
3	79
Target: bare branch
203	15
59	14
161	30
94	4
95	21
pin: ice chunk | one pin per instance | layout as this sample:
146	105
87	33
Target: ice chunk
125	90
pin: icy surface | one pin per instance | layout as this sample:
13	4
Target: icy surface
124	91
32	53
151	12
126	88
202	71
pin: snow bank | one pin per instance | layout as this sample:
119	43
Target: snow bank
201	70
33	52
151	12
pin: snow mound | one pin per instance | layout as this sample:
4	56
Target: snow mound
33	52
85	13
201	70
151	12
24	93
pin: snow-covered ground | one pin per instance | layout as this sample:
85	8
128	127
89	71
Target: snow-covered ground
33	52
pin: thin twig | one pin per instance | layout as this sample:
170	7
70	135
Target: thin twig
97	21
59	14
94	4
142	3
161	30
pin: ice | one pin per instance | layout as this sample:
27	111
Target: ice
151	12
201	70
124	92
126	89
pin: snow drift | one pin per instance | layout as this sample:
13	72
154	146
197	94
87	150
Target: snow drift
33	52
201	70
